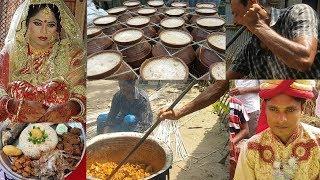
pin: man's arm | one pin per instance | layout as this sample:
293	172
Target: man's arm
298	53
206	98
114	110
243	90
244	132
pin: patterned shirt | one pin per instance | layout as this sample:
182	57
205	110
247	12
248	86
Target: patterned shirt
139	106
264	156
258	63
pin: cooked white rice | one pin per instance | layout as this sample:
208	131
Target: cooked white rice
146	11
218	70
102	63
131	3
179	4
92	30
105	20
175	12
165	68
156	3
205	5
128	35
138	21
210	22
206	10
117	10
175	37
172	22
218	40
34	150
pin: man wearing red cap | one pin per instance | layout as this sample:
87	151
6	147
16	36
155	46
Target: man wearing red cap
285	148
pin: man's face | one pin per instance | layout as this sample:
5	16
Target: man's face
283	115
238	11
127	89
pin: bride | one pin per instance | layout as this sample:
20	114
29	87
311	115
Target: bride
42	65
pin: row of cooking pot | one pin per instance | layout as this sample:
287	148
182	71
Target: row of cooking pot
198	33
136	54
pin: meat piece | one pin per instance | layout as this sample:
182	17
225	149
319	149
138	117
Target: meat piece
75	131
71	138
12	132
60	146
55	164
76	150
68	148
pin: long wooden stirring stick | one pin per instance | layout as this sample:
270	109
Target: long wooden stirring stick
151	129
235	37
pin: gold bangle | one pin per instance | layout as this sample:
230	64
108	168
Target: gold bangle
82	108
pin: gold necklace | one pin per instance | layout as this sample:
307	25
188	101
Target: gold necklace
39	53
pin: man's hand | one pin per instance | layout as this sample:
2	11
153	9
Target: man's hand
168	114
254	16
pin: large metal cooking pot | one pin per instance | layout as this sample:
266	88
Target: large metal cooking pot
115	146
5	163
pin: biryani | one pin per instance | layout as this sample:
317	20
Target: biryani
37	138
127	171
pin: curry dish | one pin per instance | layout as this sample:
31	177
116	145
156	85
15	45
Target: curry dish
129	171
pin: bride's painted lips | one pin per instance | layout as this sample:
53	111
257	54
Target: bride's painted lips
43	38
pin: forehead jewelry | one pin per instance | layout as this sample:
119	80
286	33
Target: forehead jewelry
47	12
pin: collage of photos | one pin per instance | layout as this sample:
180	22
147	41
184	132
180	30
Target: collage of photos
159	89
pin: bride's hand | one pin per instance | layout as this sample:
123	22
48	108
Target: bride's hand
26	111
60	113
